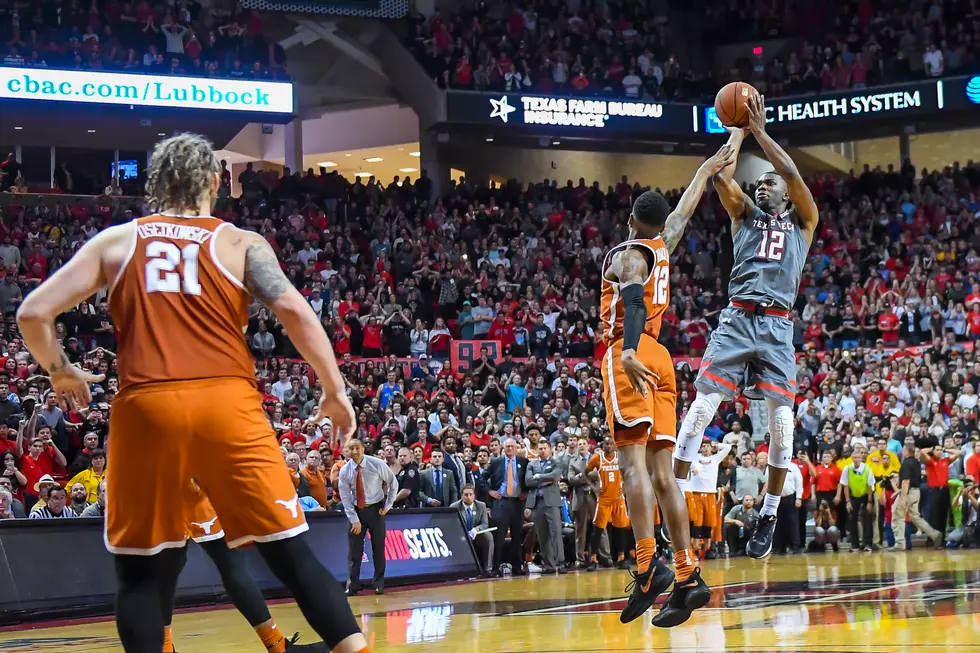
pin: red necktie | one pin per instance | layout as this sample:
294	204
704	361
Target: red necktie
359	489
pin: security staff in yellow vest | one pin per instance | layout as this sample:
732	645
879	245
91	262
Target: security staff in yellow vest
858	484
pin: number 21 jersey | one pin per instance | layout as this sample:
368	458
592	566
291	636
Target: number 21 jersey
769	255
179	313
656	290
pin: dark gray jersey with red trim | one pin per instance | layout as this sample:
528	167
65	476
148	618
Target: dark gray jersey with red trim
769	254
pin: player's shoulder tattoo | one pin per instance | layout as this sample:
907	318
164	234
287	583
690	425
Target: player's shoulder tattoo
264	277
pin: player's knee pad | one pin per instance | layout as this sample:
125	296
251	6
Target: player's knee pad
699	415
780	434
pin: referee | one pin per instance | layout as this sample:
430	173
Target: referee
367	491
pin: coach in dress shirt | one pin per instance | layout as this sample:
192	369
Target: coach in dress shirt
367	491
508	488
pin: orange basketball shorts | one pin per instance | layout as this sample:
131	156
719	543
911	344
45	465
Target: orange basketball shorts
613	512
212	431
702	509
626	407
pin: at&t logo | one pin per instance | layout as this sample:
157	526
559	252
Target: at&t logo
973	90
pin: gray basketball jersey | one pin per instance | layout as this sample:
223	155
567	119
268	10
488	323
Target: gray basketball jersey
769	254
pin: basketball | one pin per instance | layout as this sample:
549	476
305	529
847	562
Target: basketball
730	104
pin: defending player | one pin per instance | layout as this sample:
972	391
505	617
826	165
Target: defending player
179	290
603	470
641	395
753	344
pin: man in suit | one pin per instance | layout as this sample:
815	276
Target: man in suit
476	517
438	483
544	501
583	501
508	489
454	461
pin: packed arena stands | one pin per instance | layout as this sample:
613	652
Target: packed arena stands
886	322
182	38
621	49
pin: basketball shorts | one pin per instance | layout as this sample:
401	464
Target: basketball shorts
213	432
702	508
752	352
611	512
625	407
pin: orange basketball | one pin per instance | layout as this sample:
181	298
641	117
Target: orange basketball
730	104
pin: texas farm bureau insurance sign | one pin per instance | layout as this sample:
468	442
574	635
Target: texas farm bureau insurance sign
571	112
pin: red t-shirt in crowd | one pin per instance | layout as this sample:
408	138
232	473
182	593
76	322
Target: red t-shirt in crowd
888	321
972	467
479	439
805	471
973	320
937	471
35	469
828	478
372	336
875	401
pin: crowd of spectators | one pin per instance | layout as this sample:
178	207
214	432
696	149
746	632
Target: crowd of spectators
176	38
887	316
854	45
622	49
614	48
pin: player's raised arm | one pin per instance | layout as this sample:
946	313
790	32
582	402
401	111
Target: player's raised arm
266	281
681	215
631	268
729	192
796	188
81	277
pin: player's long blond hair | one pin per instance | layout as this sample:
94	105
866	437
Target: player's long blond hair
181	173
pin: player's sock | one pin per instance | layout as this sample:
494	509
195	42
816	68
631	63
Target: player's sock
645	548
769	505
272	638
168	640
684	563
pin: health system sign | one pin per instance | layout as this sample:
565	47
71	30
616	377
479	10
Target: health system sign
44	84
915	99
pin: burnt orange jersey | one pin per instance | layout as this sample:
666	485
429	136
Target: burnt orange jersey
610	478
180	314
656	290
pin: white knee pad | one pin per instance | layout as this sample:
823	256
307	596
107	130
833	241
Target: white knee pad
780	434
698	417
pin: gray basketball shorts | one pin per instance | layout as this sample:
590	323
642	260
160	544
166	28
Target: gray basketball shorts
751	352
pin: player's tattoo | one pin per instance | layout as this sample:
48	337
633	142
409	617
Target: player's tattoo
60	365
263	276
633	267
674	229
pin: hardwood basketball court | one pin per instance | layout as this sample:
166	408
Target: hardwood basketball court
924	601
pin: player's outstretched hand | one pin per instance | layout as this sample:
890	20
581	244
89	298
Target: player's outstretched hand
338	408
71	386
642	379
720	160
756	107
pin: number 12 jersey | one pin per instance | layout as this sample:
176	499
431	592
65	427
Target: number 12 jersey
180	314
769	255
656	290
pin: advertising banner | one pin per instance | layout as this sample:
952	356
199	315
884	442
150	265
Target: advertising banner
588	115
420	546
91	87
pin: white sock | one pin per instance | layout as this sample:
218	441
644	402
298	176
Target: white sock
769	505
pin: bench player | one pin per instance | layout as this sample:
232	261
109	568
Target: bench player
641	395
752	347
179	289
603	469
